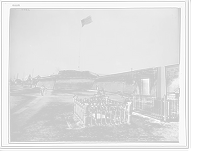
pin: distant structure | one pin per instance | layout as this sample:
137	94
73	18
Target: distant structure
67	80
75	80
18	81
48	82
27	81
142	82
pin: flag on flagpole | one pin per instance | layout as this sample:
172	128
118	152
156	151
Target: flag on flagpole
86	21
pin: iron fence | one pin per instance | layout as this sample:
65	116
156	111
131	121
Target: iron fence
103	112
108	114
80	110
163	109
94	101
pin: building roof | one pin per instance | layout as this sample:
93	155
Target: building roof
76	74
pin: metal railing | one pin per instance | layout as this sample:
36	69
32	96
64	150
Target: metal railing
94	101
108	114
102	112
163	108
80	111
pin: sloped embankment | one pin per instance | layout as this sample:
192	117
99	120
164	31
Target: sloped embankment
114	84
69	80
74	80
49	84
73	84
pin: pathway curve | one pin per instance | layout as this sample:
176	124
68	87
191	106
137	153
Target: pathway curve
23	113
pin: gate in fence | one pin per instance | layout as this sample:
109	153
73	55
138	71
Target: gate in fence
101	111
166	109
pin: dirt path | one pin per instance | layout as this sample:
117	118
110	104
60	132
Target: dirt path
50	118
23	113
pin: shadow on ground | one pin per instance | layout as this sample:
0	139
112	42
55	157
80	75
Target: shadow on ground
53	121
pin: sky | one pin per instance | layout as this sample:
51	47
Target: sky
42	42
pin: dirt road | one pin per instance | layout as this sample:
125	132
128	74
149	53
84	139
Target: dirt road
26	108
49	118
21	114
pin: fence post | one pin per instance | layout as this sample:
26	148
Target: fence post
133	101
106	97
86	114
75	98
165	108
129	111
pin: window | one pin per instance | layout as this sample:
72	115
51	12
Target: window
145	88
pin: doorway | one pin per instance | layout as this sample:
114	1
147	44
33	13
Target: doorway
145	86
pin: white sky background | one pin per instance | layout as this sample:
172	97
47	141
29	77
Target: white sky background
45	41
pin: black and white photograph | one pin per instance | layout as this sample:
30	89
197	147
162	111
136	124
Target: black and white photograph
100	74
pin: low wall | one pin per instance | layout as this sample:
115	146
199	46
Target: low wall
48	82
114	83
74	83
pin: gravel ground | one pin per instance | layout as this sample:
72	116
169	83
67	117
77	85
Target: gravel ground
49	118
17	100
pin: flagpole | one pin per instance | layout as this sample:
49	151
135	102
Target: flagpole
85	21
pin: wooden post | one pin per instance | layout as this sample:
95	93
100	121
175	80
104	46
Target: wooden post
134	101
106	97
129	111
86	114
75	98
165	108
123	81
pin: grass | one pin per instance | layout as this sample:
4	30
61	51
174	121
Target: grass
28	91
48	122
166	131
17	100
55	122
50	125
170	131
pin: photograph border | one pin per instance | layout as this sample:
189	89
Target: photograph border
6	6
